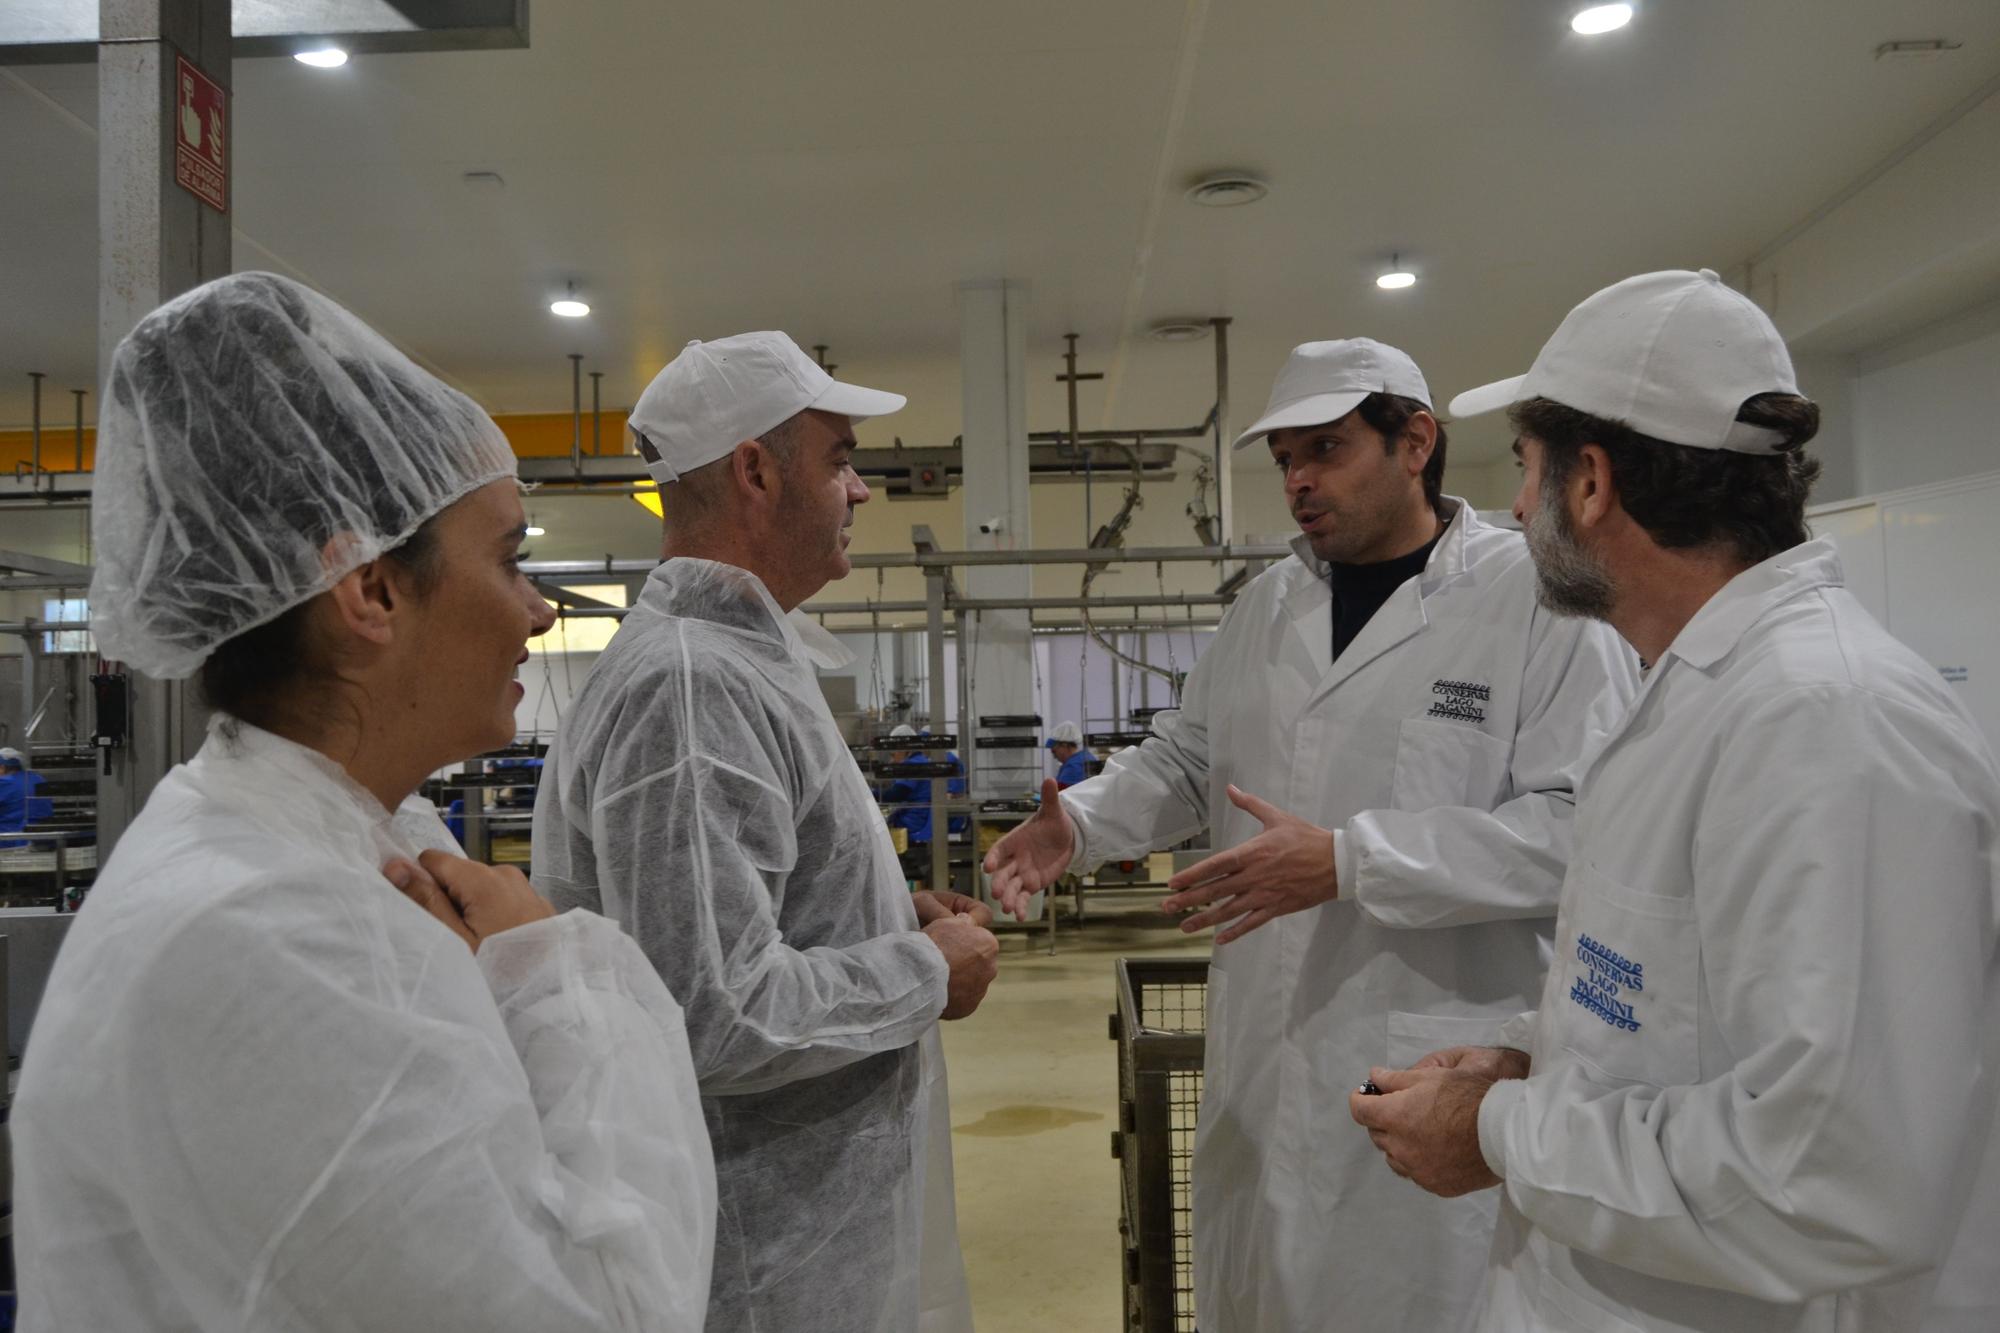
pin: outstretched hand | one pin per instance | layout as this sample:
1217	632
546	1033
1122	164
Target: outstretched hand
1033	856
1286	868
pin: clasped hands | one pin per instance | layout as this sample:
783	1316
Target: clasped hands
1425	1119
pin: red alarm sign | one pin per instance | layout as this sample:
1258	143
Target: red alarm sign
201	128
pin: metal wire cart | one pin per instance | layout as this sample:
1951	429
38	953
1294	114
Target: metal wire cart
1159	1026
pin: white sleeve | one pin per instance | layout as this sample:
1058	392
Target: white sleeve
1153	794
1844	871
350	1144
1454	865
703	854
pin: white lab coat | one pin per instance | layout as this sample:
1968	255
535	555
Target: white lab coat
266	1091
701	795
1764	1063
1440	747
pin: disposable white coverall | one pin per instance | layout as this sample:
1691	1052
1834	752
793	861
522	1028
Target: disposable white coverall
1441	748
266	1091
700	793
1764	1065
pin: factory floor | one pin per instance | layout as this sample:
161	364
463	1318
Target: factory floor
1034	1097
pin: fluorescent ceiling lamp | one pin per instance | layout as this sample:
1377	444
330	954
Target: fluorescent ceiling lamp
327	57
535	530
1601	18
569	308
1397	277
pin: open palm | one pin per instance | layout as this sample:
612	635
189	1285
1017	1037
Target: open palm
1033	856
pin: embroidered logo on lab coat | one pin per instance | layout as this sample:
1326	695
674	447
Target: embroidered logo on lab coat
1460	700
1609	978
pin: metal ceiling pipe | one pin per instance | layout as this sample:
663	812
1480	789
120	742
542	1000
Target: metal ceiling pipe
1144	555
79	428
35	377
596	412
1224	484
576	412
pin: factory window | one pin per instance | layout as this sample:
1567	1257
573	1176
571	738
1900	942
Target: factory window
72	610
583	634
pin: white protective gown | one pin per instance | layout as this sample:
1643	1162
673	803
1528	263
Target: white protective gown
700	794
266	1091
1441	748
1764	1064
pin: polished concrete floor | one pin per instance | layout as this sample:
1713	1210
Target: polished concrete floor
1034	1094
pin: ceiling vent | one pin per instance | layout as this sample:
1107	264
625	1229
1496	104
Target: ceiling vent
1227	189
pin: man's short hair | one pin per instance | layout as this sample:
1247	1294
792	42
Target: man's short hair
1389	414
698	496
1751	505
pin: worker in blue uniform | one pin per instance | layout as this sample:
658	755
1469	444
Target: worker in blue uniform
913	795
1066	743
19	806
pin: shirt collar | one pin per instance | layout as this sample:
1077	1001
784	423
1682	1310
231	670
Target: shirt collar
1725	618
1448	559
725	594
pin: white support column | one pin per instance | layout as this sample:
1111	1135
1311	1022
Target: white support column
993	354
155	241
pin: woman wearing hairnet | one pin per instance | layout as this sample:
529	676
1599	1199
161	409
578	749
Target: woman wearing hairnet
268	1091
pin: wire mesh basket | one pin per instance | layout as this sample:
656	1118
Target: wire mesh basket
1159	1026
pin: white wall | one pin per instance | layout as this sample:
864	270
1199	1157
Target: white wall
1927	407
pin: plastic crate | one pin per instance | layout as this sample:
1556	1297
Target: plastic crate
1160	1026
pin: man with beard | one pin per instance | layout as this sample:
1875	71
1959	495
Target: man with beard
1382	741
700	793
1759	1091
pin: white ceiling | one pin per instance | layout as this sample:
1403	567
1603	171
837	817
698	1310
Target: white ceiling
832	169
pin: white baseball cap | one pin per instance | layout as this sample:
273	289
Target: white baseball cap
715	395
1672	355
1324	381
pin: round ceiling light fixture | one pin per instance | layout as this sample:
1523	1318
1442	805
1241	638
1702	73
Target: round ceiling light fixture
1397	277
1180	330
1600	19
1227	189
325	57
568	306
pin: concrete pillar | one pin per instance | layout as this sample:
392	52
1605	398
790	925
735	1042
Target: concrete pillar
156	239
993	354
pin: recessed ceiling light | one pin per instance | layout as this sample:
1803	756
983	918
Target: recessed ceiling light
1180	330
536	531
1601	18
1227	189
326	57
1397	277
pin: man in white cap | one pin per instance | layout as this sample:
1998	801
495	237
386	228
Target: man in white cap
700	793
18	801
910	798
1759	1091
1065	743
1381	741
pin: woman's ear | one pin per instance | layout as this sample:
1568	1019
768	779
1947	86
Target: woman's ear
365	601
